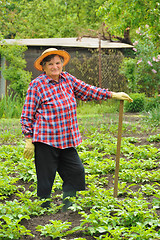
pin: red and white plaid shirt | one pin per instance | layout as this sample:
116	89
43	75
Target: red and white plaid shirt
49	113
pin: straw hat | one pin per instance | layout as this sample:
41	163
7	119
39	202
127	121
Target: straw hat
51	51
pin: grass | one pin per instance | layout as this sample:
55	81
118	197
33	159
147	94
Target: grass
10	107
93	108
10	131
153	117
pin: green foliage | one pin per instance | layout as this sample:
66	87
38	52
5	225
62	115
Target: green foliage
56	229
10	106
153	117
134	214
71	18
119	218
128	68
14	70
138	103
154	138
11	214
119	15
152	103
7	185
23	20
8	134
93	108
142	72
12	229
147	56
149	189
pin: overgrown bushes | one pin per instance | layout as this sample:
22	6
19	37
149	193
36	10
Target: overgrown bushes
142	70
142	103
152	103
138	103
14	69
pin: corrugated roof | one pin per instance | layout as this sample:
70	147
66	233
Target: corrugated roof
68	42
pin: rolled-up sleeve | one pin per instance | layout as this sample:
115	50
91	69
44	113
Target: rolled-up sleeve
29	110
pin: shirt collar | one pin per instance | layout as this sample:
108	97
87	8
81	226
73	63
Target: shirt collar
48	79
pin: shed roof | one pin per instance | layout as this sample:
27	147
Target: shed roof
68	42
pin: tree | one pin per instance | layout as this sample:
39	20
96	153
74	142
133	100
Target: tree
142	19
48	18
121	14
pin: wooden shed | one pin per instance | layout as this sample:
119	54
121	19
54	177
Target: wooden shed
72	45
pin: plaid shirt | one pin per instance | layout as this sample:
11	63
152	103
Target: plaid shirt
49	112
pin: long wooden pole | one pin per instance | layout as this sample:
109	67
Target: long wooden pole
100	62
118	148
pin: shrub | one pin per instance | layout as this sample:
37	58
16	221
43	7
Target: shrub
14	69
138	103
142	71
152	103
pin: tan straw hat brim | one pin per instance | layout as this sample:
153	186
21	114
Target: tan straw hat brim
66	56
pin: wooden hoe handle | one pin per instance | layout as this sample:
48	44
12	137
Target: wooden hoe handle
118	148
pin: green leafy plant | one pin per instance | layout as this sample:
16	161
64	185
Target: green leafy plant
12	229
142	70
7	185
128	68
56	229
11	214
151	103
15	70
138	103
149	189
133	214
154	138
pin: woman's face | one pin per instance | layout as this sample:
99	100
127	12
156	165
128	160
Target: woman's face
53	68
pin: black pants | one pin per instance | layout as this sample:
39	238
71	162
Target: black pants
66	162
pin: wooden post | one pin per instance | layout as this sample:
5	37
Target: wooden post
118	148
100	62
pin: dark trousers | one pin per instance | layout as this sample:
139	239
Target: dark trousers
66	162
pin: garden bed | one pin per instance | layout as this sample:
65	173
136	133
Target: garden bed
135	214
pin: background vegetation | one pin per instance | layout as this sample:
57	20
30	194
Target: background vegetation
135	22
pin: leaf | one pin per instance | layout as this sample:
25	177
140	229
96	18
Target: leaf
101	229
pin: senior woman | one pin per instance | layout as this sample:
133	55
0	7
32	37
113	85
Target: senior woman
49	123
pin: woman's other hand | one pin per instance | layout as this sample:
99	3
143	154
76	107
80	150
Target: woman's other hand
29	148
